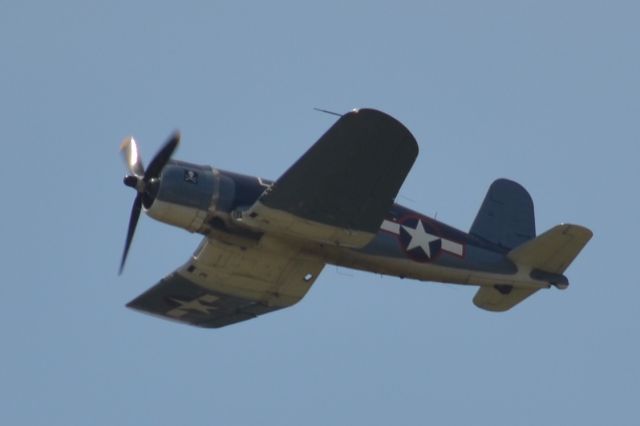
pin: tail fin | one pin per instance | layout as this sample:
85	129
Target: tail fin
552	252
506	216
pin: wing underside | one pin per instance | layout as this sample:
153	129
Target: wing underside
180	299
223	284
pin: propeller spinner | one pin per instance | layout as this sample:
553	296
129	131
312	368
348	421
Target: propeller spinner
144	182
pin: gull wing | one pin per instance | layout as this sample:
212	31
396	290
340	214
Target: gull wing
339	191
225	283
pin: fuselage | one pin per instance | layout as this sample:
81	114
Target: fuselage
408	244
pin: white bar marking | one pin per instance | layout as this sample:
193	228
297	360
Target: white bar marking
389	226
452	247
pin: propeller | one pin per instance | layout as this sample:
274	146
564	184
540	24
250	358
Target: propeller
145	183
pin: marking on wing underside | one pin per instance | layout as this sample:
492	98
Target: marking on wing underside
201	304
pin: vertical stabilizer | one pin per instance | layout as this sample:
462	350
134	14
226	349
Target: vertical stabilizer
506	216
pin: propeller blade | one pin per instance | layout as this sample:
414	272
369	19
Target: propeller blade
143	181
133	221
162	157
131	155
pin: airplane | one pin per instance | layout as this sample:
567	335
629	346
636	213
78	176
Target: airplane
266	242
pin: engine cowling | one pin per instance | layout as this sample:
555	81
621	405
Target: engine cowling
198	198
184	195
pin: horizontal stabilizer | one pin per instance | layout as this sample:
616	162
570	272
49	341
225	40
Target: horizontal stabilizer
554	250
501	298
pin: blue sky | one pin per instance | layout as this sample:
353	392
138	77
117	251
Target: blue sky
545	93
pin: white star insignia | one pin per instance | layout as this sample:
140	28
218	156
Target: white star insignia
420	238
193	305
